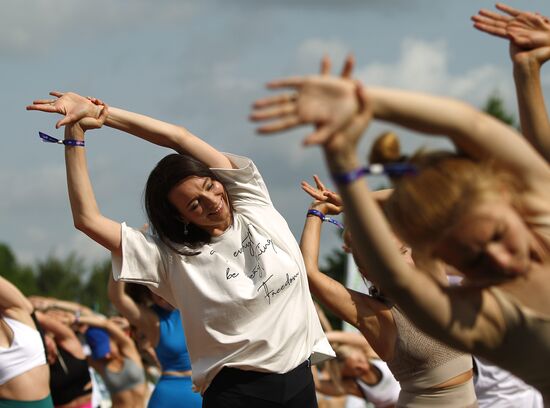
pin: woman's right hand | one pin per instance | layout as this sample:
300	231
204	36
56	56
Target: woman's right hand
73	106
529	33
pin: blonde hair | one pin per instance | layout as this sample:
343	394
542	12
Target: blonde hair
423	207
385	149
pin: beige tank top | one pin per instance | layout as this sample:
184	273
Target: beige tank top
525	348
420	361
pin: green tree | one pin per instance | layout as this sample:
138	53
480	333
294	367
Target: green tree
94	294
60	278
495	107
21	276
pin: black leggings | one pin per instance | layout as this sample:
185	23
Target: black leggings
234	388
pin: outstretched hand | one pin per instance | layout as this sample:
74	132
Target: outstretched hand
529	33
325	101
328	202
73	106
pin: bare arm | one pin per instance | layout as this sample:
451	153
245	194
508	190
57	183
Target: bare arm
167	135
86	214
355	308
75	107
529	38
473	132
63	334
11	298
115	332
138	315
465	318
351	338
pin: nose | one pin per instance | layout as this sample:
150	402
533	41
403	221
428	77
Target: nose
505	260
210	199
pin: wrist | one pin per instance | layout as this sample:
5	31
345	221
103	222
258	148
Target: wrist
312	212
341	161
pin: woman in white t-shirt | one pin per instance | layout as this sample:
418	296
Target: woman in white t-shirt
219	251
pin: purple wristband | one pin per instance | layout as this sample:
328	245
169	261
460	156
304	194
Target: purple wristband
391	170
67	142
324	218
350	176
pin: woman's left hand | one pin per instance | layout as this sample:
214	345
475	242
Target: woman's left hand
326	201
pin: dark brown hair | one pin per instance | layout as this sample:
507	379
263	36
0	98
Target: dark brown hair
165	219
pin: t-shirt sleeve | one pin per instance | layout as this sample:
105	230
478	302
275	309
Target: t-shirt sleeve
143	261
245	183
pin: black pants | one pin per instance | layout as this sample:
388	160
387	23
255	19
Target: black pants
234	388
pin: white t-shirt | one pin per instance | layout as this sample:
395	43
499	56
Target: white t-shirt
386	392
496	387
245	299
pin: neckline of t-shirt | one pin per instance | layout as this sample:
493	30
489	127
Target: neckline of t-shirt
227	230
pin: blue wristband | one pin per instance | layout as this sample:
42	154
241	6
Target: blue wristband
67	142
392	170
323	217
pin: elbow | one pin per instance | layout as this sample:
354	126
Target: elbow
85	224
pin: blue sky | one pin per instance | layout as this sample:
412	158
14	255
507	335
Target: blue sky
200	64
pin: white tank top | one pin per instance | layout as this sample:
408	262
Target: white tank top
386	392
25	353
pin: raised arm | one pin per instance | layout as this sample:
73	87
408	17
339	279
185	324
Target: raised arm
473	132
75	107
86	214
62	333
356	308
467	319
115	332
138	315
462	317
12	300
529	39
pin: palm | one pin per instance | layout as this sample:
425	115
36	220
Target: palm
74	107
326	100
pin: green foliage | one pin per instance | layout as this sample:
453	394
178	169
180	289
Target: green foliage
95	290
21	276
495	107
59	278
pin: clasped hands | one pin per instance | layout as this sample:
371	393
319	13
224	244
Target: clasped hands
88	112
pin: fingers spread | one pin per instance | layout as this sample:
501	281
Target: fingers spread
349	64
274	112
507	9
319	183
325	65
494	16
291	82
280	125
274	100
41	101
43	108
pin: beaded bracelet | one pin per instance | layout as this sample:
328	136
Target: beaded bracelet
392	170
325	218
67	142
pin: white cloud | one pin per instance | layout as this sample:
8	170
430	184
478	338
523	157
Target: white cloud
424	66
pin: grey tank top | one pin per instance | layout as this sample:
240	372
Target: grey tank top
419	360
127	378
